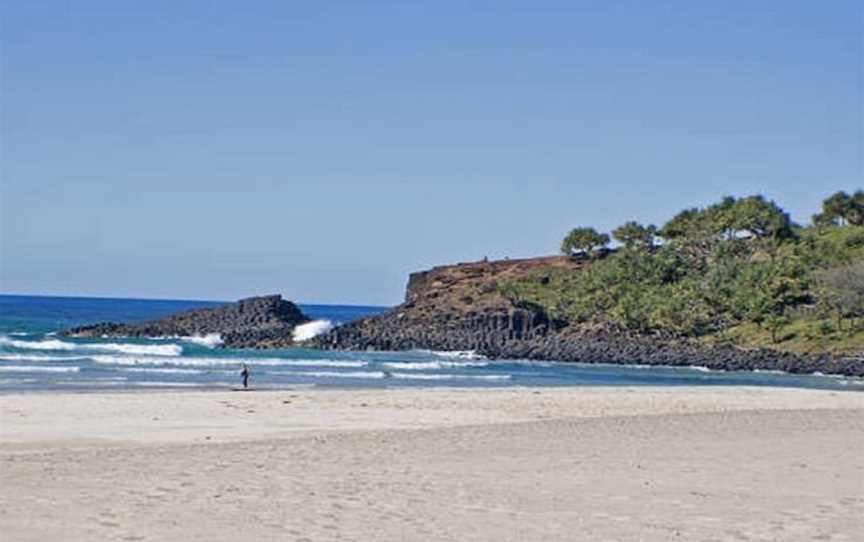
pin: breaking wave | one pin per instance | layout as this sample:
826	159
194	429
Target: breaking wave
211	340
416	376
385	374
56	344
162	370
338	374
306	331
217	362
37	369
431	365
38	359
459	354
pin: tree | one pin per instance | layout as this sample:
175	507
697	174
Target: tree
841	290
775	322
635	236
763	291
760	218
721	216
684	224
840	209
855	212
583	241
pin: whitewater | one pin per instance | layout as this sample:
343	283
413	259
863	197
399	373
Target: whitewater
34	358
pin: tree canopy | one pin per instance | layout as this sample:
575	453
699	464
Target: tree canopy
736	268
583	241
840	208
635	236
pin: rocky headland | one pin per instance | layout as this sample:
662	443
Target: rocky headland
461	307
256	322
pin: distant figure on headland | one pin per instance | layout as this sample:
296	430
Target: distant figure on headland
244	374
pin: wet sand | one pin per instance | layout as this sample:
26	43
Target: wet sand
434	464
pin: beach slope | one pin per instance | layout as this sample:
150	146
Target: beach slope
434	464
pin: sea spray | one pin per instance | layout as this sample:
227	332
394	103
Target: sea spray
306	331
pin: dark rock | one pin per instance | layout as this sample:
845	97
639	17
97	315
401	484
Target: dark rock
256	322
438	316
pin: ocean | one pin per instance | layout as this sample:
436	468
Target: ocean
34	358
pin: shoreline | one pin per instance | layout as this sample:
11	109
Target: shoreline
382	334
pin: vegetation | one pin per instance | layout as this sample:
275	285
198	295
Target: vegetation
738	271
635	236
583	241
841	209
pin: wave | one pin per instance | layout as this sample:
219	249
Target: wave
162	370
211	340
310	363
425	365
45	344
56	344
304	332
460	354
386	374
416	376
30	357
37	369
222	362
338	374
159	384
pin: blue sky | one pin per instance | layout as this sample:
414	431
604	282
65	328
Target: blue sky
324	150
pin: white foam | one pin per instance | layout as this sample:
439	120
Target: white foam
420	376
382	375
162	370
47	344
460	354
56	344
37	369
310	363
211	340
339	374
424	365
150	349
306	331
702	369
37	358
222	362
167	384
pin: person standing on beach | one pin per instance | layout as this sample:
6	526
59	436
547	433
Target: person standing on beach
244	373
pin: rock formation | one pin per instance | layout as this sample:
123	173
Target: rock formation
460	307
256	322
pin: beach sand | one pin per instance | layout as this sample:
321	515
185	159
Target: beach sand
675	463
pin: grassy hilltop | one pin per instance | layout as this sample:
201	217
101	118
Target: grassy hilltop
737	272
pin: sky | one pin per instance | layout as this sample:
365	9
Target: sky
324	150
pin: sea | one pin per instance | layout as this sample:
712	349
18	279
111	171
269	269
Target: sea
33	358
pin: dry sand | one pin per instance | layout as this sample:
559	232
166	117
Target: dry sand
434	464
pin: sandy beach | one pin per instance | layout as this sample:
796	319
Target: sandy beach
434	464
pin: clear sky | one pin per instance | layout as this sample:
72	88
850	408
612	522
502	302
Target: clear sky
324	150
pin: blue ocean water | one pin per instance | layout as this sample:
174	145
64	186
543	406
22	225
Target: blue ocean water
33	358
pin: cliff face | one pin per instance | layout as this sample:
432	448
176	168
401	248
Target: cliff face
456	307
460	307
256	322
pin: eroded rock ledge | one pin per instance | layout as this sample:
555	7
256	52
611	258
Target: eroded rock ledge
256	322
